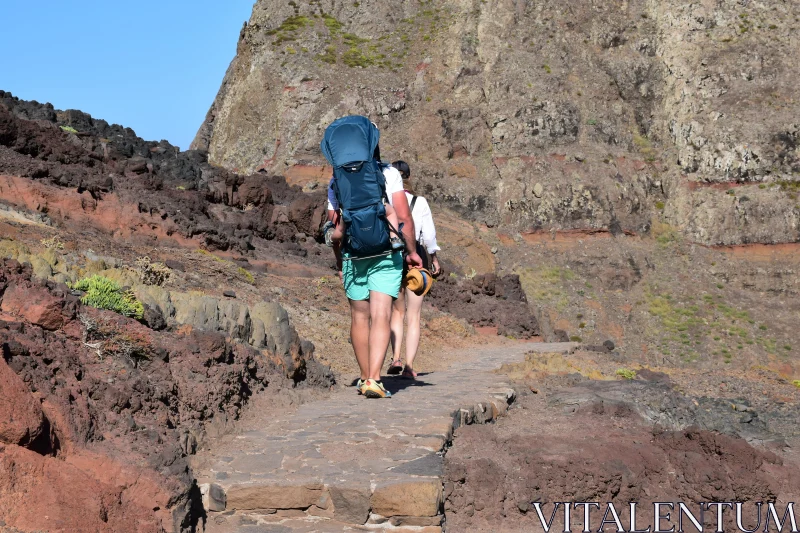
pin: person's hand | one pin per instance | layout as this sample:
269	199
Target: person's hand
436	269
413	259
341	276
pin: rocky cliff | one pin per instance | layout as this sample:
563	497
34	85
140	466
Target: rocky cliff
539	116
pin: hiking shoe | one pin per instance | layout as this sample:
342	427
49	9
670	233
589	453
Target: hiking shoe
374	389
395	368
360	385
397	243
327	231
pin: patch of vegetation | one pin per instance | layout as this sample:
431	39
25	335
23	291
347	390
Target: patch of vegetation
68	129
796	383
152	273
247	276
626	373
664	234
575	338
675	318
329	56
53	243
645	147
660	205
356	57
546	285
105	340
791	187
288	29
547	68
104	293
212	256
331	23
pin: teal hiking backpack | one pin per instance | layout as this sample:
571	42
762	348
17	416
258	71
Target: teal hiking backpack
349	145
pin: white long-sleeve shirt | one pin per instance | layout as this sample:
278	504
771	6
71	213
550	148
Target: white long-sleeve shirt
423	223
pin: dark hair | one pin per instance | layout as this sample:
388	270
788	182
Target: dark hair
403	167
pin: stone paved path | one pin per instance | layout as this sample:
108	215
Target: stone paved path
348	463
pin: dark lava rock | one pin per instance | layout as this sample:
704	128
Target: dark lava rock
175	265
154	318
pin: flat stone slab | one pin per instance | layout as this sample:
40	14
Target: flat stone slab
351	449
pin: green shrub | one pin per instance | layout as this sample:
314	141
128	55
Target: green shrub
333	25
329	56
626	373
68	129
247	276
104	293
796	383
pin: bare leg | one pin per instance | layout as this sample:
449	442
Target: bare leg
413	312
359	333
398	317
380	311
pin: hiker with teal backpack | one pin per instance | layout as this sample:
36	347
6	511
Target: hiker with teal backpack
371	269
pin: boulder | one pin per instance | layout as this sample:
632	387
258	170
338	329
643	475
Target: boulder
34	304
21	418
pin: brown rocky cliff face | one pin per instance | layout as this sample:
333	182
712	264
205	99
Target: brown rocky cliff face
545	115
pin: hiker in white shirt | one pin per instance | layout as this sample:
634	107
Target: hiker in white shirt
408	304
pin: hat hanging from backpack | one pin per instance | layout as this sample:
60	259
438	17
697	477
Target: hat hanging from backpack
419	280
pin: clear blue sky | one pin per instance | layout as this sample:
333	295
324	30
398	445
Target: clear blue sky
151	66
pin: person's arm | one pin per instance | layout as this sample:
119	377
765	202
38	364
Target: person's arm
399	201
428	230
400	204
333	216
337	251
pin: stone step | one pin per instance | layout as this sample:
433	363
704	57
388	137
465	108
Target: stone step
355	462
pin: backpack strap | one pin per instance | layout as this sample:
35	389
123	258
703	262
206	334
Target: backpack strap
411	210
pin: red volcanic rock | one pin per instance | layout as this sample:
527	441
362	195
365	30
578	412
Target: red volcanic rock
35	305
42	493
21	417
107	447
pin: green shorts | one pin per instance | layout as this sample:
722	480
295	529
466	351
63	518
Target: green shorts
380	274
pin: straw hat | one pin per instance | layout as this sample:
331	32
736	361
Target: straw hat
419	280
